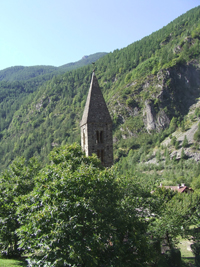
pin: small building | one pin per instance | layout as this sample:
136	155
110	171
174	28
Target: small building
180	188
96	126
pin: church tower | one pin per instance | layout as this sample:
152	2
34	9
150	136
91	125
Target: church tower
96	126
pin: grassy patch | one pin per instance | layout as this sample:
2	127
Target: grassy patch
186	253
184	246
12	263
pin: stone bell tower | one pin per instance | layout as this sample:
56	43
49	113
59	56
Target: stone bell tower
96	126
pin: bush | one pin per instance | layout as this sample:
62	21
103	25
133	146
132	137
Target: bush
183	155
130	102
173	124
196	251
185	142
17	181
173	257
197	112
176	145
173	140
197	134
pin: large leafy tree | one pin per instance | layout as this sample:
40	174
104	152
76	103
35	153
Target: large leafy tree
173	215
14	182
77	216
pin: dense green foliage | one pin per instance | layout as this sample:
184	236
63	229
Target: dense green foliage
17	181
20	73
74	212
75	215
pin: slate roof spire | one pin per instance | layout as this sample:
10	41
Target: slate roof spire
96	126
95	107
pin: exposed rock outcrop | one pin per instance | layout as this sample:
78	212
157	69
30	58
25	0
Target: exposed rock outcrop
152	120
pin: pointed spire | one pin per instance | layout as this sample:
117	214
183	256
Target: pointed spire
95	107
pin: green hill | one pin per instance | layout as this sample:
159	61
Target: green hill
18	84
86	60
145	85
21	73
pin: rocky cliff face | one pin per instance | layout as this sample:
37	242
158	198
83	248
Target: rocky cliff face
152	120
171	93
179	90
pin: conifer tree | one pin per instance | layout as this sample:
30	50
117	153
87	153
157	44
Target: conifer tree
197	134
183	156
185	142
176	145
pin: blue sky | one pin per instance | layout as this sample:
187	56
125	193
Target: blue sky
56	32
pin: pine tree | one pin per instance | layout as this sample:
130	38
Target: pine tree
176	145
185	142
173	140
183	126
197	134
158	155
183	156
167	157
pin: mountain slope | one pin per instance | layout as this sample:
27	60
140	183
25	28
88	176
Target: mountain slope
145	86
19	87
21	73
86	60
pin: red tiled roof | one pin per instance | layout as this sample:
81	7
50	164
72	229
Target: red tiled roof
178	188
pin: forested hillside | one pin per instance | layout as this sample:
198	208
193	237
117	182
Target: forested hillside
18	83
21	73
145	85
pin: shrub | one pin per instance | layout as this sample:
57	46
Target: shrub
197	134
173	257
177	145
173	140
196	251
185	142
